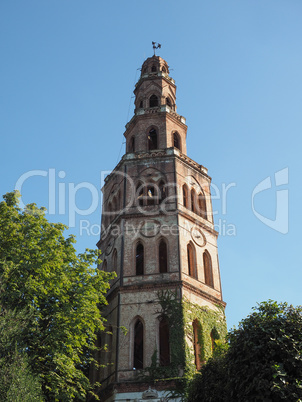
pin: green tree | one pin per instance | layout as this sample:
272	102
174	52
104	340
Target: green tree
62	293
17	381
263	361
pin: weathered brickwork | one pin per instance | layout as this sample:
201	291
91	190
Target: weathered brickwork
157	235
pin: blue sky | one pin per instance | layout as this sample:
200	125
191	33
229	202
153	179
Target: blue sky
67	77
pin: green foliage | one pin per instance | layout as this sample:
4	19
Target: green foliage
210	321
265	355
17	382
180	315
263	361
209	384
61	292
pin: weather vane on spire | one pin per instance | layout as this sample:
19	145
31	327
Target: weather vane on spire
156	46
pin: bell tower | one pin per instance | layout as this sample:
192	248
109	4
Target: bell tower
165	308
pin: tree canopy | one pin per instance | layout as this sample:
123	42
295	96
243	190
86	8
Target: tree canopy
60	294
263	361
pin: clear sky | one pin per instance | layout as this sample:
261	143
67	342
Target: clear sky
67	75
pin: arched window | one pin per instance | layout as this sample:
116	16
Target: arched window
132	144
150	195
191	260
202	205
139	259
140	194
196	343
153	69
141	104
164	342
114	261
163	257
168	102
162	191
176	141
207	266
185	196
138	348
153	101
193	201
164	70
152	139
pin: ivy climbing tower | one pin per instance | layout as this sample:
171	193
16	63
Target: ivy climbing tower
165	308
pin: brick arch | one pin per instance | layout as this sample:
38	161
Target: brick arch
152	88
155	178
176	140
154	100
150	131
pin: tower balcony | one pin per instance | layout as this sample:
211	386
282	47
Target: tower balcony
156	110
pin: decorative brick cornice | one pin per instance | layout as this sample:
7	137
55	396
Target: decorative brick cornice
199	292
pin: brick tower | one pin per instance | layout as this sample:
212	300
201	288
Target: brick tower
165	307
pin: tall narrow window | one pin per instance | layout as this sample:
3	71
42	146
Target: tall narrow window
153	101
191	260
132	144
139	259
168	102
152	139
138	349
197	348
140	194
207	266
163	257
114	261
185	195
162	191
164	342
163	70
176	141
202	205
104	266
193	201
153	69
141	104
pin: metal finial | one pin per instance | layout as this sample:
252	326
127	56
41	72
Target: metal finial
156	46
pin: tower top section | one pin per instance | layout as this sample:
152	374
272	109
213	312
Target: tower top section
156	123
154	65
